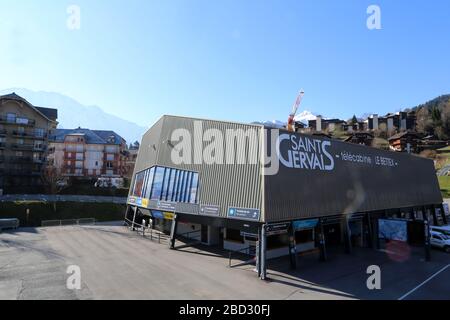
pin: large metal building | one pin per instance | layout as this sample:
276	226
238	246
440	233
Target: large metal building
240	185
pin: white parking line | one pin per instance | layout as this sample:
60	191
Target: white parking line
425	282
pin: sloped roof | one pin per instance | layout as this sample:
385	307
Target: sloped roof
91	136
403	134
49	113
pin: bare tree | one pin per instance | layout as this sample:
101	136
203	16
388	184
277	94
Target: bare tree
54	181
424	121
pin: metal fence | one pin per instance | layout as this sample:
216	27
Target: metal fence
68	222
146	231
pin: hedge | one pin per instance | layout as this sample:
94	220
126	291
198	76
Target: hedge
40	211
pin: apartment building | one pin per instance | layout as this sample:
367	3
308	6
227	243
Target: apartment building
24	132
400	121
85	153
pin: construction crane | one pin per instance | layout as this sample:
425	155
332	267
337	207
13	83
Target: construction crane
291	121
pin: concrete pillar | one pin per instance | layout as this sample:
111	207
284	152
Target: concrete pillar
213	235
319	123
263	261
390	124
369	231
375	125
322	244
292	248
173	232
403	116
347	235
427	234
126	212
258	252
435	219
134	218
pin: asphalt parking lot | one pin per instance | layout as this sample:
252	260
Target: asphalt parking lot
118	264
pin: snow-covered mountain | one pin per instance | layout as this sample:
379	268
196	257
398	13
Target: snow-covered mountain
72	114
304	117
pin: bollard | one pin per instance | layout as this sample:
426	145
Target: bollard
159	237
143	227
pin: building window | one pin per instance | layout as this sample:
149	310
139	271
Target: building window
11	117
79	156
22	120
39	132
110	157
148	182
38	144
138	184
37	157
159	183
109	165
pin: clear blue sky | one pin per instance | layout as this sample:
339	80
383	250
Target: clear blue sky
239	60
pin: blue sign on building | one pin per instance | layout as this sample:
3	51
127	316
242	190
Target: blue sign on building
157	214
305	224
243	213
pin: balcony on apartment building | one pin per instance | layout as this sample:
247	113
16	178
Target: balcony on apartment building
3	132
2	145
20	159
22	147
28	135
18	121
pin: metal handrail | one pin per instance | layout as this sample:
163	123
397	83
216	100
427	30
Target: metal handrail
186	234
247	251
136	225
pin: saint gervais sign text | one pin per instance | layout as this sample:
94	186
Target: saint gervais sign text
304	153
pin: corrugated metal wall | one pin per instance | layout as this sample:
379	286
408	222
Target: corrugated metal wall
352	186
148	149
224	185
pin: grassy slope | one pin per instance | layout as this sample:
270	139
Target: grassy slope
443	158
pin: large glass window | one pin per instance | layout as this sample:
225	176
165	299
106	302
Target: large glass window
157	183
149	183
187	188
171	184
194	188
138	184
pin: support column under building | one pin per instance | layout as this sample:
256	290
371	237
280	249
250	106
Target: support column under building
134	218
368	218
435	219
444	217
347	235
426	225
173	232
258	252
292	248
322	244
126	213
263	249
